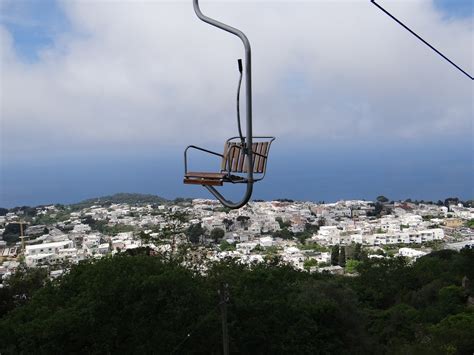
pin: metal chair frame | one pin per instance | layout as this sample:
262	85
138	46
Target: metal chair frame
234	179
246	141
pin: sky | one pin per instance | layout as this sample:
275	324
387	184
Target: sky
99	97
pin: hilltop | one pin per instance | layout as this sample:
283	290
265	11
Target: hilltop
122	197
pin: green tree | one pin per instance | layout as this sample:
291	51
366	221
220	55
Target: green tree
122	304
308	263
217	234
451	300
454	334
258	248
315	247
357	255
137	303
12	232
377	211
396	326
303	236
226	246
283	224
243	220
300	310
335	255
227	223
351	266
20	287
382	199
311	228
194	232
283	234
373	286
451	201
342	256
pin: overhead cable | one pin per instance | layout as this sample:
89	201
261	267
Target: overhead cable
425	42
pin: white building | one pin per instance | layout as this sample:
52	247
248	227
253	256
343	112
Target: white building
245	248
411	253
50	252
82	228
266	241
48	248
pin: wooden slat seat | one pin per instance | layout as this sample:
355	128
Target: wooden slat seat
202	181
203	175
205	178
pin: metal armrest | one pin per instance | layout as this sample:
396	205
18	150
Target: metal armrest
197	148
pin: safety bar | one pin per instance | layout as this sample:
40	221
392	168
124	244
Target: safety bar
248	96
197	148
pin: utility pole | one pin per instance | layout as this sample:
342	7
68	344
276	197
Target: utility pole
224	299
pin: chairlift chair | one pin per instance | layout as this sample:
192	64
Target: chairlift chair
233	163
244	159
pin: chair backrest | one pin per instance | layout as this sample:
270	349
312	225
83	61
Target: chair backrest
235	157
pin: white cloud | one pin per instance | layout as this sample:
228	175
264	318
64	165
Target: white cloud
136	73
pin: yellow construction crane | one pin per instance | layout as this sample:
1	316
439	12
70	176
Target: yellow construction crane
22	237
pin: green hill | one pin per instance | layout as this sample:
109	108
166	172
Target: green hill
130	198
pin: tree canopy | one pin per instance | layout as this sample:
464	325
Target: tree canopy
217	234
147	304
194	232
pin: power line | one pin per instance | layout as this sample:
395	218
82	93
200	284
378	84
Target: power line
224	298
195	328
425	42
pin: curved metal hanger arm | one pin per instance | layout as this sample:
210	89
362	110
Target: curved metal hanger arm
248	96
228	203
242	138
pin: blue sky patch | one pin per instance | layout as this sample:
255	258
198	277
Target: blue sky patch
456	8
34	25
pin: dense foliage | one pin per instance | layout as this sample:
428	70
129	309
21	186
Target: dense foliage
12	233
148	304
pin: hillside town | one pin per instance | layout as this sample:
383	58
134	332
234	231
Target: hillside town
316	237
